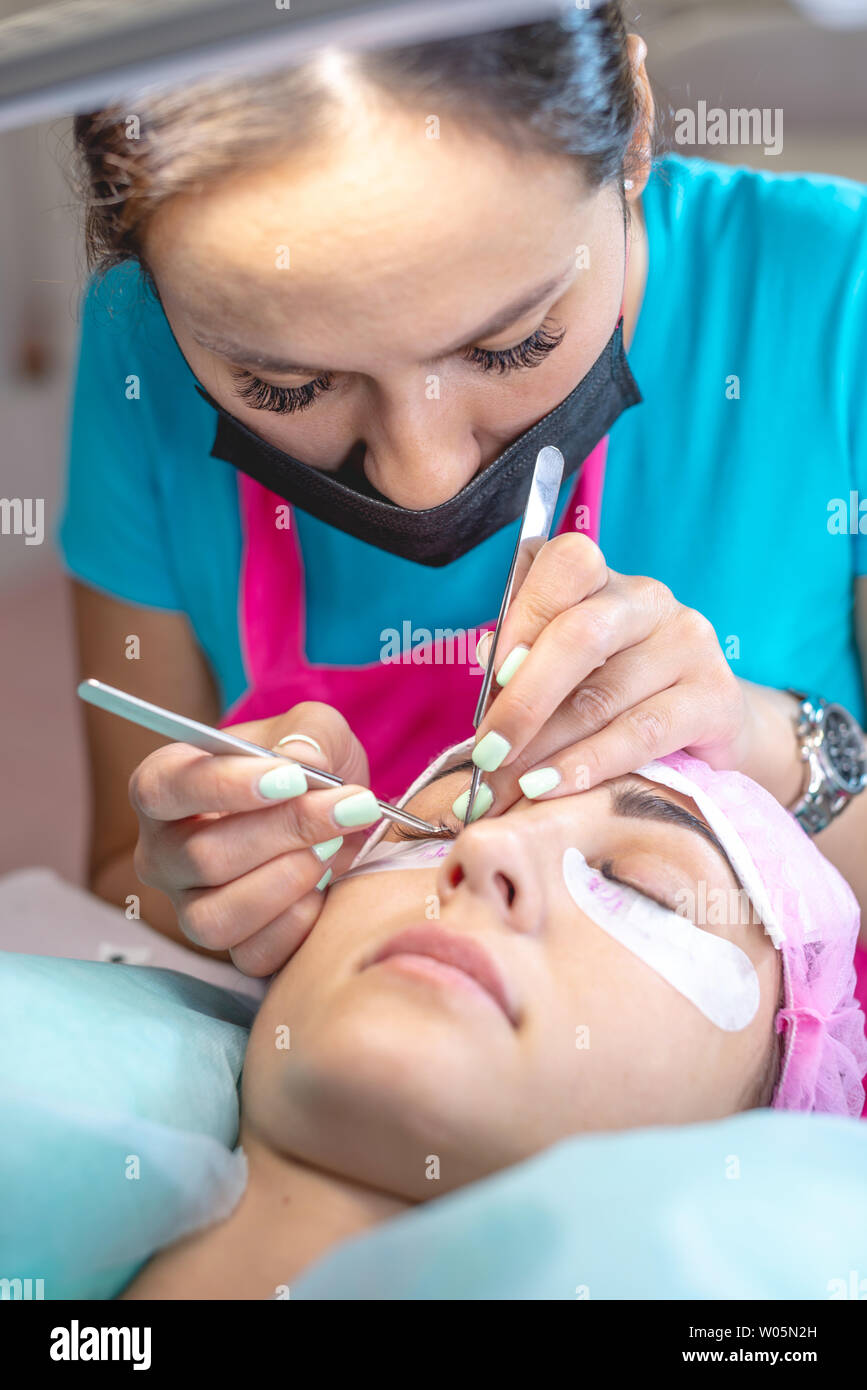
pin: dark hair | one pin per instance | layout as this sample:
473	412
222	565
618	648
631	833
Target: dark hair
760	1090
564	86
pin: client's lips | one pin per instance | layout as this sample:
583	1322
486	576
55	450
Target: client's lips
459	952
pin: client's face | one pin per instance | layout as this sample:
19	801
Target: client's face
509	1018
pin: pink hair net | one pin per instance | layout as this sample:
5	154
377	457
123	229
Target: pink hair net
813	918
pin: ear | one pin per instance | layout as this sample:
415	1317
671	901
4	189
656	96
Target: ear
638	161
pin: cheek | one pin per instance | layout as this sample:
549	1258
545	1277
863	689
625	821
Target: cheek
711	972
616	1044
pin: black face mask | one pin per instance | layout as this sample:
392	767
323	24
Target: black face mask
436	536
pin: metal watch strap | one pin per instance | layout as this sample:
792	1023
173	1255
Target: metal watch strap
822	800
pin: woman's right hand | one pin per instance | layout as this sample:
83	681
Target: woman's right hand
235	853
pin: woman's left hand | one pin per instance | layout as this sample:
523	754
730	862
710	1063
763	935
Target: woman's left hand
616	672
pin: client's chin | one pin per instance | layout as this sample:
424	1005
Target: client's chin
398	1080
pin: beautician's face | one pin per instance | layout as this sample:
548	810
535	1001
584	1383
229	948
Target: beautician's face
402	252
394	1061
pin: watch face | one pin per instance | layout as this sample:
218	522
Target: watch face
843	746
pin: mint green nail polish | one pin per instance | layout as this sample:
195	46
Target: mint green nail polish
483	802
540	781
326	849
359	809
490	751
324	880
283	782
515	659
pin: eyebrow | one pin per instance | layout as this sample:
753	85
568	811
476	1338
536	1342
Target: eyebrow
506	317
265	362
639	804
251	357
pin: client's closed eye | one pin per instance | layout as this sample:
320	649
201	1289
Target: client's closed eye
607	871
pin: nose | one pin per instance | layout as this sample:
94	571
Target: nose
423	451
491	862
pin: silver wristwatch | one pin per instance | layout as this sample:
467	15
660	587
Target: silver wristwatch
833	747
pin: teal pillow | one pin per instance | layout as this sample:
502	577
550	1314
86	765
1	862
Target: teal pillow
763	1205
119	1104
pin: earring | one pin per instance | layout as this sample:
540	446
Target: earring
628	183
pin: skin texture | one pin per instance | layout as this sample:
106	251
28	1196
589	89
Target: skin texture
401	250
388	1067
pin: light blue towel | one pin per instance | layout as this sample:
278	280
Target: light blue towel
762	1205
119	1106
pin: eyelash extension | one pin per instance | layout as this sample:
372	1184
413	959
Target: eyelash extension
288	400
530	353
282	400
607	871
441	832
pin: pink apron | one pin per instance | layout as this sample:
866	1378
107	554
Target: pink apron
404	713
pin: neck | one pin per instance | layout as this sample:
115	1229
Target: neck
636	274
289	1215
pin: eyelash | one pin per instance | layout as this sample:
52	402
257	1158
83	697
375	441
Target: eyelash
441	832
607	871
288	400
528	354
281	400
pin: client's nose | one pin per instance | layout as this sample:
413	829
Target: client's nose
492	861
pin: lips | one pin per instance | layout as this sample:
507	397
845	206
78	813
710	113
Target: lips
459	952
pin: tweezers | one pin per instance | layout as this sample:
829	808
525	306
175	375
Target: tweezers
178	726
536	526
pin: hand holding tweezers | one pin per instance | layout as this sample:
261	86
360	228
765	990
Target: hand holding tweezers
536	526
217	741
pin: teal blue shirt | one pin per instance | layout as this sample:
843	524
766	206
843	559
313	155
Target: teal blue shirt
728	483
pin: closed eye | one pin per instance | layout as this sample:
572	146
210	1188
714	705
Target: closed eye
530	353
441	831
281	400
607	871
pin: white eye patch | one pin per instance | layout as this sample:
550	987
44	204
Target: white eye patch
713	974
408	854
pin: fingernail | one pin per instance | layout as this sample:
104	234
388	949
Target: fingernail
326	849
324	880
298	738
515	658
481	645
283	782
490	751
540	781
359	809
483	802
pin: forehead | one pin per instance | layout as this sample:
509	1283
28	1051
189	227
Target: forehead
376	219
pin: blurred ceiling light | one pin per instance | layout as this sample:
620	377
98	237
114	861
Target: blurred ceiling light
834	14
75	55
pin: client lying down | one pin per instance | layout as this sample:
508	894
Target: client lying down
663	949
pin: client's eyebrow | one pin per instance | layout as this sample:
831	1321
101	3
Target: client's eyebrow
466	765
641	804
